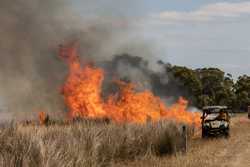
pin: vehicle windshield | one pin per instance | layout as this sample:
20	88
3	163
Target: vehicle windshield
215	114
214	110
211	116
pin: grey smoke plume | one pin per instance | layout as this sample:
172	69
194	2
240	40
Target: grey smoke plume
30	32
136	69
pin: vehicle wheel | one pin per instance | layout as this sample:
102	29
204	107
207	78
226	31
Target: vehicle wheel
204	134
227	134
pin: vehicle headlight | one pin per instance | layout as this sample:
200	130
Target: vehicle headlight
206	124
224	123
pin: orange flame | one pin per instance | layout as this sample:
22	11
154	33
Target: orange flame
82	95
42	118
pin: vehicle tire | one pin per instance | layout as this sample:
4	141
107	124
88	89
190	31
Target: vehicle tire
204	134
227	134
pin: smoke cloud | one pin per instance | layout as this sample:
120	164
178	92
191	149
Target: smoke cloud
137	70
30	72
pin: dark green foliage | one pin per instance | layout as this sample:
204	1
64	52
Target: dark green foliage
242	92
210	86
188	79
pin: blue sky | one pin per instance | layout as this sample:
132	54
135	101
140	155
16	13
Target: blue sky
194	33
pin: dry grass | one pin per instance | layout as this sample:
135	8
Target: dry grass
86	143
213	152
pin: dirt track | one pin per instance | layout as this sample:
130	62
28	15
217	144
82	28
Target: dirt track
235	151
214	152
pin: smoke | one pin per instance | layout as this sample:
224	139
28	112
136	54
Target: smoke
161	81
30	73
30	32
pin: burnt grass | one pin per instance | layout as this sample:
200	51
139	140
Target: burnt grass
86	143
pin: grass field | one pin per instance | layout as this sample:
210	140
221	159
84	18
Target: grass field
213	152
87	143
91	143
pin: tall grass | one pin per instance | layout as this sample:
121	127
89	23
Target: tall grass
86	143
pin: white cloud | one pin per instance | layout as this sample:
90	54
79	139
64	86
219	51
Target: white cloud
208	12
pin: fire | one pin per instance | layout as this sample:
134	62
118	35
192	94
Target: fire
43	118
82	94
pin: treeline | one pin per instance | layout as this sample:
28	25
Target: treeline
210	86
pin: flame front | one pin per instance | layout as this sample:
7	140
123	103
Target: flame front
42	118
82	95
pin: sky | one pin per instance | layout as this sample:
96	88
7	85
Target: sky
192	33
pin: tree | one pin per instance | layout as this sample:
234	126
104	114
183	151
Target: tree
242	91
187	79
217	88
205	86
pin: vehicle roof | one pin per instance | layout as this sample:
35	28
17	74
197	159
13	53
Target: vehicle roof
214	107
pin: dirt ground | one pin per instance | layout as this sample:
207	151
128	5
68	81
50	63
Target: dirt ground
213	152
